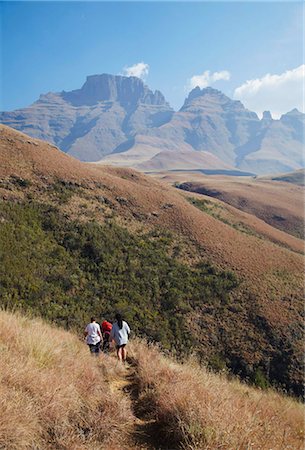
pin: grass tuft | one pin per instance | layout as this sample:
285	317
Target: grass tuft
53	394
197	409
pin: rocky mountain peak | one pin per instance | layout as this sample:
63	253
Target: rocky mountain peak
207	99
197	92
128	91
293	113
267	115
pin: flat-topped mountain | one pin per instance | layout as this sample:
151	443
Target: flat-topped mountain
93	121
128	91
119	120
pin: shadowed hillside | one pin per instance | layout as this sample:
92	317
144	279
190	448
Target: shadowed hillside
297	177
107	238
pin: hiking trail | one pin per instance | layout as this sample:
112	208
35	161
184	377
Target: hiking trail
145	430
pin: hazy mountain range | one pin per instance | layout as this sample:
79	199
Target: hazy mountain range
119	120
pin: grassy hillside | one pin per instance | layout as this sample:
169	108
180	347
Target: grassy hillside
297	177
55	395
196	409
78	239
278	204
63	270
52	394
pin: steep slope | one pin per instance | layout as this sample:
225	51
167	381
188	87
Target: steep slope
95	120
277	147
101	405
75	215
207	122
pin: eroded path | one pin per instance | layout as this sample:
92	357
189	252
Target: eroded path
145	433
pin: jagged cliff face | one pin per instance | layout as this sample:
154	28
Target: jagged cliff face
127	91
211	131
119	118
95	120
214	123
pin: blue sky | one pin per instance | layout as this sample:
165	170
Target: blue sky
53	46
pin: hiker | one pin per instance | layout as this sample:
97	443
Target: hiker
120	333
93	337
106	329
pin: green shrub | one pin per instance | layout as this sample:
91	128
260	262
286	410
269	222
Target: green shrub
67	271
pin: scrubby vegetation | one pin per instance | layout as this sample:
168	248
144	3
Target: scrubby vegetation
216	211
66	270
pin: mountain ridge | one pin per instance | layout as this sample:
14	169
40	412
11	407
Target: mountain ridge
113	115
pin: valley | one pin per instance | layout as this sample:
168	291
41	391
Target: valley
103	238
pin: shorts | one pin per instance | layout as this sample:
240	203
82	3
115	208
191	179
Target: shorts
106	343
121	346
95	348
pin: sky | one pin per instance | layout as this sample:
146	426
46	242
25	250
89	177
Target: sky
252	51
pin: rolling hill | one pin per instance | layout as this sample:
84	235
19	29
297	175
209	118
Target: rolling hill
102	238
281	205
296	177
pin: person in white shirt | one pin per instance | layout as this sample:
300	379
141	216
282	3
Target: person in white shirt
120	334
93	337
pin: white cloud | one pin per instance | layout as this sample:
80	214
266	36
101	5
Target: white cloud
207	79
277	93
139	70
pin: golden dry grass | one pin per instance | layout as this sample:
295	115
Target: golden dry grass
196	409
53	394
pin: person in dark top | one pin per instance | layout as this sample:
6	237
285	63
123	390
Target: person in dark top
106	329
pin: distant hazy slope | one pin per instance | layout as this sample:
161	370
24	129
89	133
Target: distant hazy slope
277	147
297	177
279	204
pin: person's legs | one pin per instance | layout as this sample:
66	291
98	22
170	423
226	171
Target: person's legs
119	353
92	349
106	343
124	354
97	348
